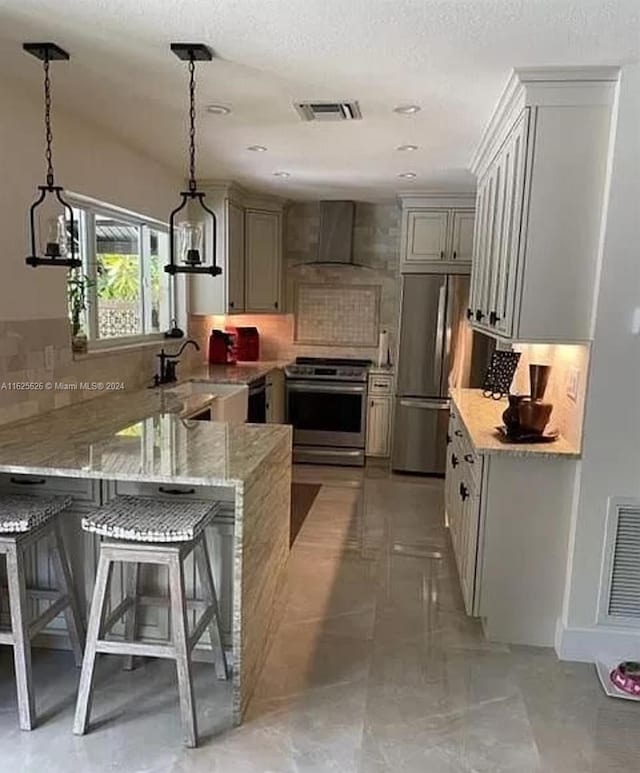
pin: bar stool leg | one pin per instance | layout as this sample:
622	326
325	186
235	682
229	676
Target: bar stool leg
96	618
208	588
21	641
179	630
131	615
72	617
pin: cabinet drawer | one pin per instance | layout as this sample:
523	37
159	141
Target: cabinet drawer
380	385
170	491
81	489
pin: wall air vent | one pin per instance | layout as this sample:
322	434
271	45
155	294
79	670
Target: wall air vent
328	111
620	601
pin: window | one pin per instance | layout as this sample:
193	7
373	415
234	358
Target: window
124	255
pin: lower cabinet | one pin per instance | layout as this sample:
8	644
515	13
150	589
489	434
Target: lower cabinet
509	518
379	414
463	486
275	403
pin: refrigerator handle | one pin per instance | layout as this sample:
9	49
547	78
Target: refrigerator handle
440	332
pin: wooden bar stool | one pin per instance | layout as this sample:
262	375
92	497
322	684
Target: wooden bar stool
138	531
25	520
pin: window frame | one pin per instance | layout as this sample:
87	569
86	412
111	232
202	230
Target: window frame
89	209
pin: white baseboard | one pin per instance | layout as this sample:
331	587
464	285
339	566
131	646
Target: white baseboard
588	645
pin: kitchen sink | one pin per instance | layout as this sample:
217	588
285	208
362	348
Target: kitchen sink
212	402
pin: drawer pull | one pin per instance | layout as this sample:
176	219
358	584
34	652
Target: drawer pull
454	461
464	492
176	491
458	433
469	458
28	481
383	385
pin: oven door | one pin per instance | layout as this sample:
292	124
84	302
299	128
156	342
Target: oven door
327	413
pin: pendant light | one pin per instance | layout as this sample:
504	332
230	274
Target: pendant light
51	221
194	237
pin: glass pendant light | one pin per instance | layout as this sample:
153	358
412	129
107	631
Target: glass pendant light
194	237
52	227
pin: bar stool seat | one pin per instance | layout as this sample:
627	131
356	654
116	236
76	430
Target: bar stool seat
139	530
25	520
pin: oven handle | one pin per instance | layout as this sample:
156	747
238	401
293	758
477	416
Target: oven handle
343	388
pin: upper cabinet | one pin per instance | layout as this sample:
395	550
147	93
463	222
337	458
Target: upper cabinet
541	168
249	250
437	233
263	250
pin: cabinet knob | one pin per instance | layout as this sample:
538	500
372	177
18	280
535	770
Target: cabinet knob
232	305
454	461
458	433
275	305
441	254
493	318
464	492
479	315
448	438
469	313
455	254
469	458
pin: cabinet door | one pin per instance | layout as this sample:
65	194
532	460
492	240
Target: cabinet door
469	545
379	427
478	259
462	235
275	397
513	164
425	237
235	257
263	252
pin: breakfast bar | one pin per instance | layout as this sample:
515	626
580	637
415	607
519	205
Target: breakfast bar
145	443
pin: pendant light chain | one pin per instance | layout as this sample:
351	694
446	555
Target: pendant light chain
192	124
47	122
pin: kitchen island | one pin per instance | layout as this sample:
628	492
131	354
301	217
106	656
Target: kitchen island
144	443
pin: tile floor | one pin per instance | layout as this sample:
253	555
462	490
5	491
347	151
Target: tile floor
375	668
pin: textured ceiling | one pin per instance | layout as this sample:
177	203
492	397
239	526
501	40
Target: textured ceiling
450	56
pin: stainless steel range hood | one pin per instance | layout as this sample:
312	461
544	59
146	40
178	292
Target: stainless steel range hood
336	232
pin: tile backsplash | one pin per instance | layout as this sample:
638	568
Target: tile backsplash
24	361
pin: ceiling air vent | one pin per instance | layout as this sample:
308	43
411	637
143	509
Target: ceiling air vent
328	111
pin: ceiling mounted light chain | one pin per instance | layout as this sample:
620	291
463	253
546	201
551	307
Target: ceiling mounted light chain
195	237
51	220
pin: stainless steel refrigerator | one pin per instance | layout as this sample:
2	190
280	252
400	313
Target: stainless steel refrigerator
433	336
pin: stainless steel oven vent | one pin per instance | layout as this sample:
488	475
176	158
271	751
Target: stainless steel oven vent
328	111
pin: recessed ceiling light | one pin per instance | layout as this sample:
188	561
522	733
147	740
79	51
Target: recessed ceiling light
407	147
407	109
218	109
257	148
408	175
281	174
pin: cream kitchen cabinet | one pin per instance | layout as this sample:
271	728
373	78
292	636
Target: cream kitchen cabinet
541	168
379	414
509	512
263	260
275	400
249	251
437	233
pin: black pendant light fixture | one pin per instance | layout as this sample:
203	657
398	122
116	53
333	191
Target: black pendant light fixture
55	231
189	236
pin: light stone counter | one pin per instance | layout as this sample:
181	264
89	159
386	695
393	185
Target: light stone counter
240	373
140	438
481	415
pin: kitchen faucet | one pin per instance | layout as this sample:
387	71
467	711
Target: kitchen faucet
168	363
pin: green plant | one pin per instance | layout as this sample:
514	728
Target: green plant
77	286
118	276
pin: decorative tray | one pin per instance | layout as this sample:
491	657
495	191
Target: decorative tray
546	437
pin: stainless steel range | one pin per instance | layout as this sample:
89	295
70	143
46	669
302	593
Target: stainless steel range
327	406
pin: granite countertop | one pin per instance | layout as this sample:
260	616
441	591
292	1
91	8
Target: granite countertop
138	436
240	373
482	415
